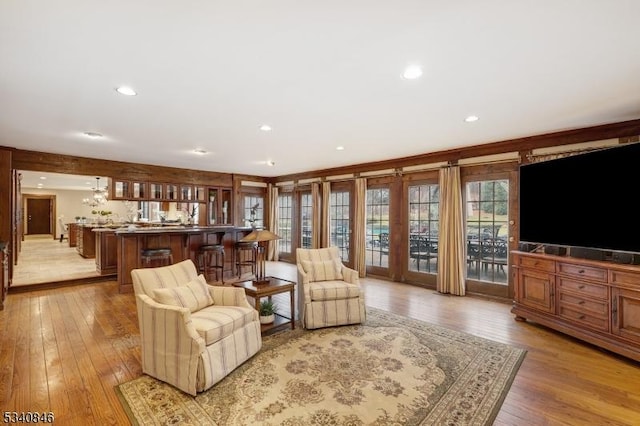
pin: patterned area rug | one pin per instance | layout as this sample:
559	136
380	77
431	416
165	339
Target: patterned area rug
392	370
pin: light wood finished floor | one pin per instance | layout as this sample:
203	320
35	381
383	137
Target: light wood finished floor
63	350
43	259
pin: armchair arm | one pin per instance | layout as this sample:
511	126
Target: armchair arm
302	275
171	346
350	275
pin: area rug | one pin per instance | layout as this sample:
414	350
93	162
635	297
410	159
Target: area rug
391	370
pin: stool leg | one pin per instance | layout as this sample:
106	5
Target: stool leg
238	261
221	267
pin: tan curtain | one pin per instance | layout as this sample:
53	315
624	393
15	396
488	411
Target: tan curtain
359	224
272	252
316	222
451	241
325	237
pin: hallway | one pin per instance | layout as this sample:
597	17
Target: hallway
44	259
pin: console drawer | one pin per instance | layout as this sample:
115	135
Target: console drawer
583	288
598	308
625	278
597	321
588	272
546	265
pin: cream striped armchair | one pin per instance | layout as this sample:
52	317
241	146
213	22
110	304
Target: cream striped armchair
192	334
329	293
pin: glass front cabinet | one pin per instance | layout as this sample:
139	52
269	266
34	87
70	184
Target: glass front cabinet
128	190
219	206
156	191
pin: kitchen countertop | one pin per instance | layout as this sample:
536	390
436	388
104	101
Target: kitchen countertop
177	229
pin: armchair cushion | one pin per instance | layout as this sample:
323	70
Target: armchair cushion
194	295
332	290
216	322
322	270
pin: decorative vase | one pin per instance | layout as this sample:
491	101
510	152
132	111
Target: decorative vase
267	319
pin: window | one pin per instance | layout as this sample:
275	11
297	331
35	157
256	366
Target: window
285	213
306	220
487	216
340	223
424	204
377	230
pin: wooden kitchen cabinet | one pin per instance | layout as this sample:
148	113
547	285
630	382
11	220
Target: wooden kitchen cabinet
219	206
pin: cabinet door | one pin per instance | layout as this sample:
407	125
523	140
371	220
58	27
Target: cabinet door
171	192
625	310
138	190
225	206
120	190
4	275
220	206
200	194
536	290
155	191
186	193
212	206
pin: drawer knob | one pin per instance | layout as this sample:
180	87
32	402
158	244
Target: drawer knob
581	287
581	271
581	317
581	302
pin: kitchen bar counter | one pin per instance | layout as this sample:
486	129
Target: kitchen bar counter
184	242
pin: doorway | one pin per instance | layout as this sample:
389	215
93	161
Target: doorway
39	212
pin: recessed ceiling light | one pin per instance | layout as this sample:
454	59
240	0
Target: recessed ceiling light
200	151
93	135
265	128
412	72
471	118
127	91
339	148
43	177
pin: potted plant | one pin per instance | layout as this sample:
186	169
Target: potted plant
267	312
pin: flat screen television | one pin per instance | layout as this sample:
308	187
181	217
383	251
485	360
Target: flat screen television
588	200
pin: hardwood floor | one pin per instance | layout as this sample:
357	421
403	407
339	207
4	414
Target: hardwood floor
63	350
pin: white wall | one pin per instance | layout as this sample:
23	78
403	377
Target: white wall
69	205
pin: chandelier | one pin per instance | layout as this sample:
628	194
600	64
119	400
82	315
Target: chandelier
99	196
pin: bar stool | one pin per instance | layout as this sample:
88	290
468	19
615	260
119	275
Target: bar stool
211	260
246	256
163	256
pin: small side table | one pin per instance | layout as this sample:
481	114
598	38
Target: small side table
274	286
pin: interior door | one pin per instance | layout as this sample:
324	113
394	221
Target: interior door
38	216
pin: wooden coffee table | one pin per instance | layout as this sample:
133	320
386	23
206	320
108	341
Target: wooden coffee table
274	286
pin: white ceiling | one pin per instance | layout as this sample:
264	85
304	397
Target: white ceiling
322	74
50	181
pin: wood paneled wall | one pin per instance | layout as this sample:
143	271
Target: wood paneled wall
67	164
5	195
622	130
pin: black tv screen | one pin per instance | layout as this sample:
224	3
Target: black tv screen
587	200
